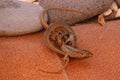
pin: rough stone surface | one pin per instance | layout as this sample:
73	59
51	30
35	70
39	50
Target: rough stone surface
17	18
118	2
88	8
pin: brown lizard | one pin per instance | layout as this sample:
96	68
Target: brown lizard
49	43
61	39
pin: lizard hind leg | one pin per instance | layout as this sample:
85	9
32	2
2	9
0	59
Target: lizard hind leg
66	61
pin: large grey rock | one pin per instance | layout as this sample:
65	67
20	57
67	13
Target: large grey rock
118	2
17	18
88	8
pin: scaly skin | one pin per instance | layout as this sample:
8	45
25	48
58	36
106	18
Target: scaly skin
48	41
75	53
61	39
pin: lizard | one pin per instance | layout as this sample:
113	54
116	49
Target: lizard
54	48
61	39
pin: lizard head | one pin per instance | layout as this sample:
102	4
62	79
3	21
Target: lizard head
81	54
85	54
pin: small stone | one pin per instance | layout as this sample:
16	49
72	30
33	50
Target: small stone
108	12
118	14
18	18
88	8
114	6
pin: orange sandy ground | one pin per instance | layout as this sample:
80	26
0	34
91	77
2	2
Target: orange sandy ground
21	58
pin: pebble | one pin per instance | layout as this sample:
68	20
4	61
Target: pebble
88	8
18	18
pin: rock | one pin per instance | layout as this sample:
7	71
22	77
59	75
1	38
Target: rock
17	18
118	2
88	8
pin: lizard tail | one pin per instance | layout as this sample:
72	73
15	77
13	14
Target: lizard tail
43	23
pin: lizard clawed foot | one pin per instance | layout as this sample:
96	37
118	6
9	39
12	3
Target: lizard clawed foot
71	40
